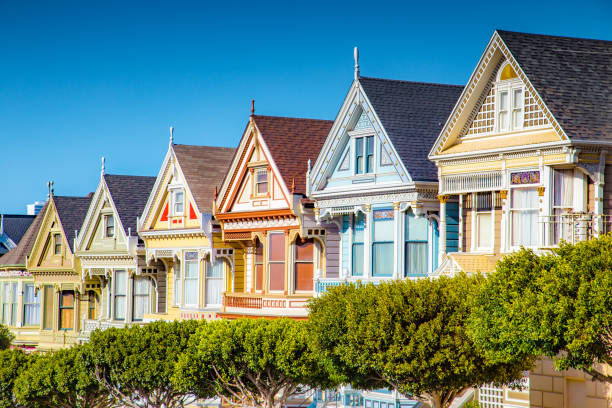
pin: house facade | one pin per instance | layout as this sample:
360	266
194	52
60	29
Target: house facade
262	208
112	255
178	231
372	179
526	153
57	272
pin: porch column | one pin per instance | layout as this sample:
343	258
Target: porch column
248	269
598	207
367	242
442	251
129	295
397	240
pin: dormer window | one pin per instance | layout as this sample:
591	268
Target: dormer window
109	226
364	155
510	100
57	244
261	182
178	202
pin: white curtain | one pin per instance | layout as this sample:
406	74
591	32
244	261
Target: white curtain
190	297
524	217
141	297
214	283
416	258
31	308
120	294
6	303
484	230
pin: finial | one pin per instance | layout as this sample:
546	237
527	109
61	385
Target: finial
103	169
293	185
356	54
216	193
171	135
252	107
48	189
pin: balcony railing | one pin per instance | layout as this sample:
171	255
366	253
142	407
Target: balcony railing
574	227
262	301
322	284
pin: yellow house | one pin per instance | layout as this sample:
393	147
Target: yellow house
19	299
526	153
178	232
57	272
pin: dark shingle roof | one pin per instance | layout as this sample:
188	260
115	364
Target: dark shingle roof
18	254
71	211
15	225
204	168
573	76
130	194
412	114
292	141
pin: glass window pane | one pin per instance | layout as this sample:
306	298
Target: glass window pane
357	259
503	100
358	227
277	276
416	258
120	282
304	276
190	297
259	277
484	230
518	98
67	318
120	307
277	247
191	270
563	188
304	251
416	228
141	285
259	252
383	259
49	295
67	299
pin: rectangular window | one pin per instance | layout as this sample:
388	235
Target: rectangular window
120	296
369	153
358	234
191	273
517	108
31	305
503	107
304	264
259	257
57	244
382	247
359	165
524	215
48	295
176	269
261	182
276	261
563	202
66	310
109	226
142	303
92	305
214	282
484	217
415	245
178	202
6	303
364	155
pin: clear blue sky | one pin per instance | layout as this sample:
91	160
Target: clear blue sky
83	79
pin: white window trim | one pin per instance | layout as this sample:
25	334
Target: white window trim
510	235
268	262
255	193
125	296
173	190
509	86
477	247
362	134
198	262
105	217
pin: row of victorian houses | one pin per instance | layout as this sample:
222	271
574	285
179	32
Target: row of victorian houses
410	180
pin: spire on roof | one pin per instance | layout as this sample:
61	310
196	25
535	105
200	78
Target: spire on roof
103	169
252	107
171	135
356	55
50	188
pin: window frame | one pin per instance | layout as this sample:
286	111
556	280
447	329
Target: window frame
173	195
363	155
509	87
513	211
259	261
477	221
256	183
408	240
107	218
35	304
276	261
57	243
297	261
61	308
375	242
140	295
117	297
358	244
184	279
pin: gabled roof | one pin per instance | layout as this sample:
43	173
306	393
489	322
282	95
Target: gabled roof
412	114
15	225
129	194
204	168
17	255
573	76
292	142
71	212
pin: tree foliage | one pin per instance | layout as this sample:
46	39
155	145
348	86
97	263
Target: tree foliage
59	379
407	335
557	305
135	364
251	362
12	364
5	337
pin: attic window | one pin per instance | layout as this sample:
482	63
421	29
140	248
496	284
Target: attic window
510	100
109	226
261	182
507	72
57	244
178	202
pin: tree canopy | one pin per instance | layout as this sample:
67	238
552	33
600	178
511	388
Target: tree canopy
558	305
251	362
135	364
406	335
5	337
12	364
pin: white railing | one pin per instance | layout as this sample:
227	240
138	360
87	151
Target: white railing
461	183
90	325
574	227
322	284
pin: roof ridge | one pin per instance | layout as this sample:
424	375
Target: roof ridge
499	31
127	175
213	147
411	82
291	117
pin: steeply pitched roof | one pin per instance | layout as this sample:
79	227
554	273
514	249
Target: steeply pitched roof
292	141
204	168
573	76
17	255
130	194
15	225
71	211
412	114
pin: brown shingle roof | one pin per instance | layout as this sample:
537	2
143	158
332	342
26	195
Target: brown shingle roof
71	212
18	254
292	141
130	194
204	168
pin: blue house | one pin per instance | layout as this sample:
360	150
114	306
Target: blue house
373	180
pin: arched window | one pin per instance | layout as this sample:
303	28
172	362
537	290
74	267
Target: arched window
510	100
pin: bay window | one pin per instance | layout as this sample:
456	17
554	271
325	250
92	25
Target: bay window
382	246
276	261
48	294
415	245
176	269
214	282
191	274
357	248
562	202
259	267
364	155
484	219
120	294
66	309
304	264
9	303
524	217
141	301
31	305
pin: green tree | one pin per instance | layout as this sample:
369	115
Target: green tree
557	305
5	337
135	364
12	364
59	379
251	362
407	335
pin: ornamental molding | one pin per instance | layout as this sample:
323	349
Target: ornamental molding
255	224
108	262
375	199
174	234
501	156
15	273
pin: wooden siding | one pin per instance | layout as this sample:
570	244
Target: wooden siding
607	196
452	227
497	238
161	290
332	261
467	229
